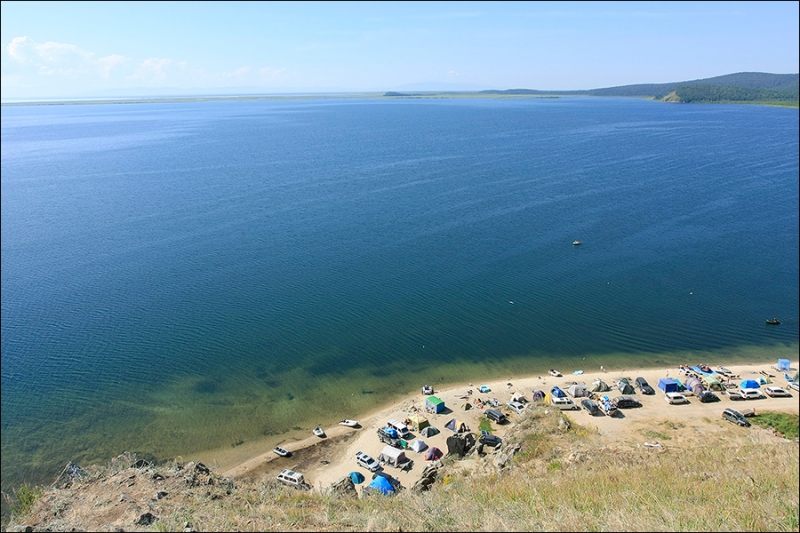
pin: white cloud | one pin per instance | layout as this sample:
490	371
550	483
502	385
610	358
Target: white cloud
153	69
105	64
26	50
452	73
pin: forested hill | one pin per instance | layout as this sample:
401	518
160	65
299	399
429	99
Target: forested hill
740	87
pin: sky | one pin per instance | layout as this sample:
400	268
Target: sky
84	49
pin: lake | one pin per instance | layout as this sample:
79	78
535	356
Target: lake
185	277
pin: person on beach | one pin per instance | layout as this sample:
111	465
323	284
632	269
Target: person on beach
602	368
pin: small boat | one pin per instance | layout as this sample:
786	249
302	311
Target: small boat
427	390
578	372
283	452
349	423
319	432
555	373
773	321
723	370
576	243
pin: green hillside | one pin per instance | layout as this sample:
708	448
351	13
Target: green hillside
750	87
742	87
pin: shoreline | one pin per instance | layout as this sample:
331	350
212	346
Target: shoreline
324	461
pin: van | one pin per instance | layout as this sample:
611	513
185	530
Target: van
565	404
400	427
292	478
362	459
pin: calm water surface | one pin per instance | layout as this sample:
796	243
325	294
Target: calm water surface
179	277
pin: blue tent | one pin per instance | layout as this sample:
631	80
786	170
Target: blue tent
783	364
667	385
750	384
558	393
357	477
382	484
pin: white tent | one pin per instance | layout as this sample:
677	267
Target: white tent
418	445
393	456
578	391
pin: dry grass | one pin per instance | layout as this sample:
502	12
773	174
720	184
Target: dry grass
559	480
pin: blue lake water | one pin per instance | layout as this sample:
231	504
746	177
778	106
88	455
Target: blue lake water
177	277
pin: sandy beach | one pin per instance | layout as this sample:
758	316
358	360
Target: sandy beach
326	460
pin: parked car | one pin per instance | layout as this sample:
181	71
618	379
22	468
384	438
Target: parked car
775	392
675	398
565	404
707	397
362	459
591	406
736	417
488	439
494	414
517	407
751	394
386	438
793	385
293	479
626	402
644	387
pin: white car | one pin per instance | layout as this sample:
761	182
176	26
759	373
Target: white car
362	459
793	385
751	394
517	407
675	398
774	392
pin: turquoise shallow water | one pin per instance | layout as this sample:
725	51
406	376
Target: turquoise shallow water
181	277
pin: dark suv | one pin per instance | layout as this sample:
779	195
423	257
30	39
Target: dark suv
707	396
644	387
488	439
497	416
735	416
626	402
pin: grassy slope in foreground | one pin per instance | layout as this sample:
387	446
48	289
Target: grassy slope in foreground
728	478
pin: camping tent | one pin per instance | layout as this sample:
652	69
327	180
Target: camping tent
467	406
538	395
434	404
433	454
667	385
418	445
392	456
578	391
624	386
712	383
518	397
419	422
750	384
456	426
695	385
599	385
380	484
429	431
357	477
558	393
784	364
681	386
